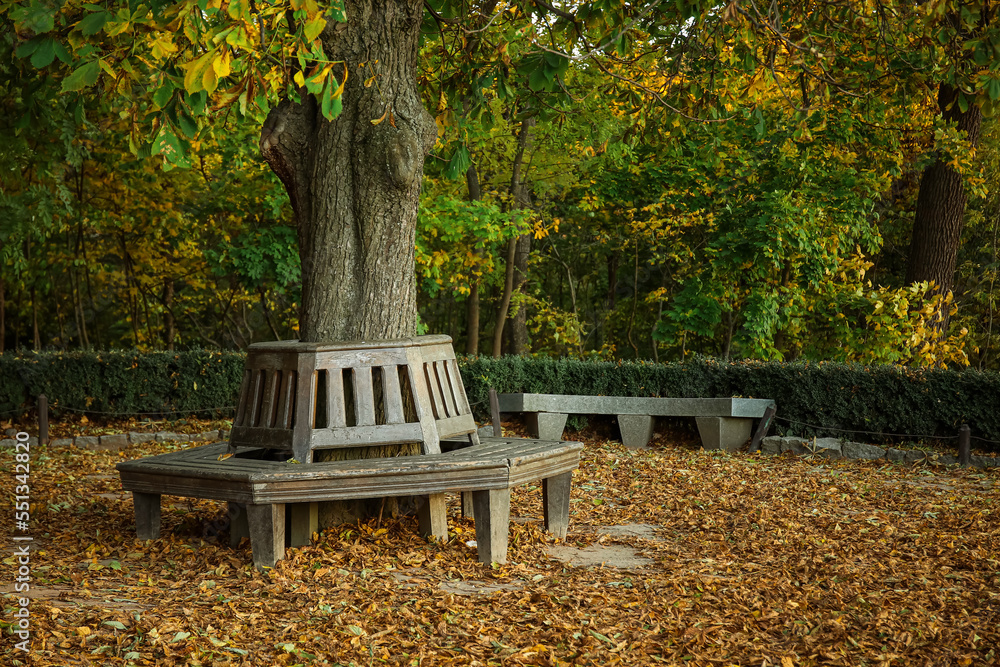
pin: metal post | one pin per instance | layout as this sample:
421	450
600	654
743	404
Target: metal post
43	420
495	413
964	445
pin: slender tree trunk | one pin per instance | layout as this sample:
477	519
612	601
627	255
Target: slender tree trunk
169	323
937	228
519	326
3	314
508	291
472	303
355	185
521	200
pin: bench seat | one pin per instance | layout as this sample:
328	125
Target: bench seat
723	423
259	488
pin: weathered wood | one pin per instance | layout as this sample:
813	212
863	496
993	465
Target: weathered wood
495	413
269	406
336	405
364	397
303	521
444	382
147	515
392	395
555	500
437	401
244	400
492	508
267	533
286	404
432	514
491	468
763	427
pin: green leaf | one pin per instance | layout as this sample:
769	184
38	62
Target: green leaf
163	94
459	163
117	625
37	18
83	76
180	636
993	89
336	11
93	23
44	54
537	80
29	47
187	124
115	565
62	53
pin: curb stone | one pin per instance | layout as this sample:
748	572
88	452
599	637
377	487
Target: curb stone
835	448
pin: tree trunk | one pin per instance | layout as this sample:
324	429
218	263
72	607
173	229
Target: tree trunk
472	303
937	228
519	325
355	185
169	323
521	200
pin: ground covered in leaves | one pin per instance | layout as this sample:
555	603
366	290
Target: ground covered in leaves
722	560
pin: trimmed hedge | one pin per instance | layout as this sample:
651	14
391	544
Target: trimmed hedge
878	402
881	402
122	382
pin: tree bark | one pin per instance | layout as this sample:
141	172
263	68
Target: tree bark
519	324
355	185
521	199
937	227
169	323
472	303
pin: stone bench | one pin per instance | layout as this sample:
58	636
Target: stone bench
271	490
723	423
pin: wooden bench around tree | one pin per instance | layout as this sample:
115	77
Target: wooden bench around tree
723	423
273	491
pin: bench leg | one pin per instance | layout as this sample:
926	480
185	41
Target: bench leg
433	516
636	430
267	534
303	522
546	425
725	433
492	524
238	525
468	507
147	515
555	498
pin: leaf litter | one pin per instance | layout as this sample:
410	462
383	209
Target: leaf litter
748	560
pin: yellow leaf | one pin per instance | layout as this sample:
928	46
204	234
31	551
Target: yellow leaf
300	79
221	64
379	120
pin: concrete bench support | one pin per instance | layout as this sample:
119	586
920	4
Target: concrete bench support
723	423
546	425
723	433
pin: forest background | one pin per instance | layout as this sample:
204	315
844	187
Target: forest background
668	192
